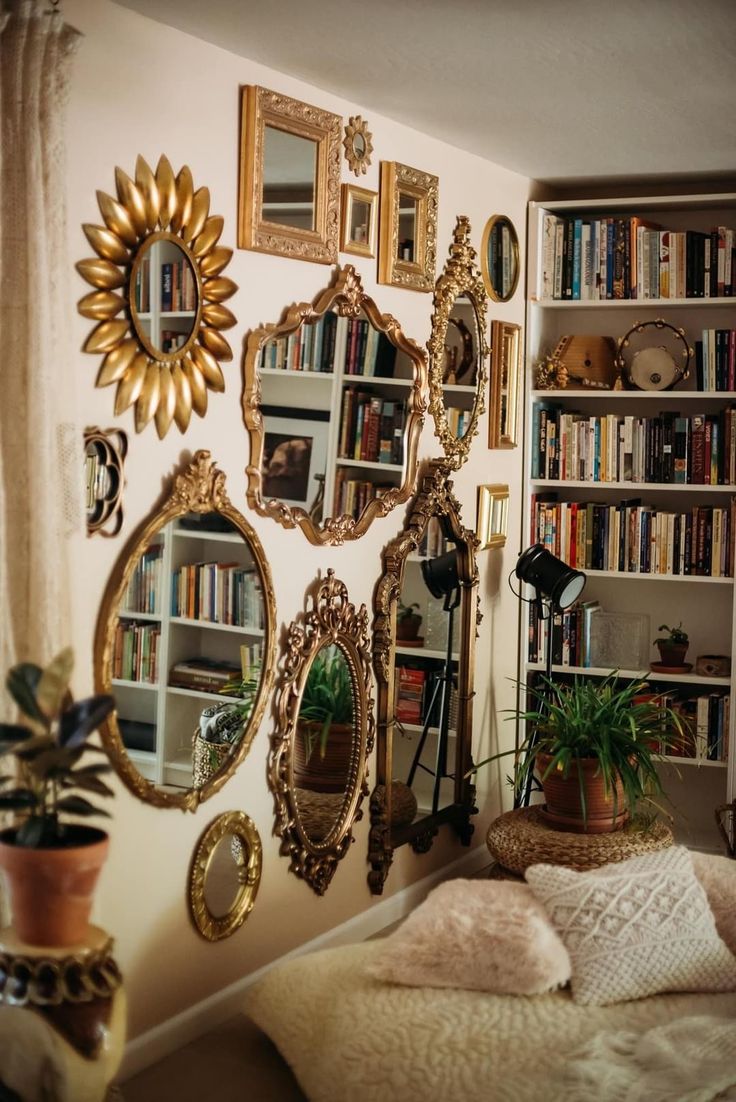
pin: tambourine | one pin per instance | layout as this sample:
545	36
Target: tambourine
653	367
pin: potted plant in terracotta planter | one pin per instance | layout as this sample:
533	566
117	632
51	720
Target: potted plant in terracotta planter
323	749
408	622
595	746
672	646
52	864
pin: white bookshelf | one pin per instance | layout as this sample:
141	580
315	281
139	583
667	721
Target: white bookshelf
705	605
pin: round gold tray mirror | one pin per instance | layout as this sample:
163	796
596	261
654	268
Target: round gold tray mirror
225	875
499	258
185	641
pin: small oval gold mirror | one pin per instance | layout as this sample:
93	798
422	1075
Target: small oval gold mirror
225	875
499	258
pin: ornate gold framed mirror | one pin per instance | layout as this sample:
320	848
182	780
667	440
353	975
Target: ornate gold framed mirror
358	228
492	518
318	763
185	640
104	459
289	177
407	248
225	875
424	677
158	264
358	143
505	367
499	258
333	400
458	349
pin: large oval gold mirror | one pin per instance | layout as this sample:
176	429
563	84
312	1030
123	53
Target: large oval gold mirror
499	258
317	766
225	875
458	349
185	641
158	265
333	401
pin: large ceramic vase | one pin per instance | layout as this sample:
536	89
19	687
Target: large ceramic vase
318	772
51	890
564	809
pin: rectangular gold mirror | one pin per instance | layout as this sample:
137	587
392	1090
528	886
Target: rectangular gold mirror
289	177
505	357
493	516
359	209
408	238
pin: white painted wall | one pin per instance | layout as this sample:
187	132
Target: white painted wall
140	87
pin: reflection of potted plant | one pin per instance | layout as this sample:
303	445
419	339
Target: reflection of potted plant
595	746
51	864
221	727
322	752
408	622
673	646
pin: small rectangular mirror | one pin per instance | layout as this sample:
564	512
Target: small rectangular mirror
408	244
505	357
289	178
493	516
359	208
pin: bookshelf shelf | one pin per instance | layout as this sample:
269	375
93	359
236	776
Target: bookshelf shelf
423	652
646	227
154	617
245	629
285	372
376	380
123	683
396	468
200	694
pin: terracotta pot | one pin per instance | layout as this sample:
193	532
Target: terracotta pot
51	890
672	654
323	774
564	810
408	627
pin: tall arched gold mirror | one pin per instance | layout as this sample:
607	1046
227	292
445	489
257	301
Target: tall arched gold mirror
499	258
333	401
159	293
317	766
185	641
458	349
424	678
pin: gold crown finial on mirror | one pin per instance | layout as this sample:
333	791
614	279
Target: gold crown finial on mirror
461	249
159	265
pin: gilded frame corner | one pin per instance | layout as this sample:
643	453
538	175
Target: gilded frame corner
492	522
332	619
215	927
260	108
505	381
418	274
460	276
198	487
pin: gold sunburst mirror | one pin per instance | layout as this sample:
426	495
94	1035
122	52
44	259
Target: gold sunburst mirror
358	144
159	294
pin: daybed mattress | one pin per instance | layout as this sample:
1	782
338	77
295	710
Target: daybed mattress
350	1038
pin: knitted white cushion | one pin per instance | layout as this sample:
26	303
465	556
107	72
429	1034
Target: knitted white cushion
635	928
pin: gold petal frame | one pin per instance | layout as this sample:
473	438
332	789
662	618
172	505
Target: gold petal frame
332	619
157	206
250	860
348	298
434	498
199	488
460	276
398	179
357	127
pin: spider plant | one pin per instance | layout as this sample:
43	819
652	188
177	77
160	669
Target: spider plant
327	698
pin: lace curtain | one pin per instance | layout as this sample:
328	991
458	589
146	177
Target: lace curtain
40	443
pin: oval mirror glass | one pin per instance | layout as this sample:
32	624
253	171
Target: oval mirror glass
500	258
223	878
164	296
460	373
324	743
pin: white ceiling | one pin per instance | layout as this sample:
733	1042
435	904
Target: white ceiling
553	89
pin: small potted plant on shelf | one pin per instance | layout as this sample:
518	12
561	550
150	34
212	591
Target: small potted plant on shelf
408	622
595	747
323	750
672	647
51	863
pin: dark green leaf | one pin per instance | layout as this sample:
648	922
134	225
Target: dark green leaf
88	784
17	799
11	735
39	744
77	805
84	717
54	762
21	683
34	831
96	770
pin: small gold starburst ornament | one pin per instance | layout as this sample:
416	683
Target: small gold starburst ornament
358	144
159	293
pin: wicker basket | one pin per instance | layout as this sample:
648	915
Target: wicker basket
207	758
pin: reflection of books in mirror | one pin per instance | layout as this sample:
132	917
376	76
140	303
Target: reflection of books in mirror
409	694
205	674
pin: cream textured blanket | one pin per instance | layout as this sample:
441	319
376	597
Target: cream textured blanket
348	1036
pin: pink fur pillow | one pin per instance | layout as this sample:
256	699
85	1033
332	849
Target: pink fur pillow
483	935
717	875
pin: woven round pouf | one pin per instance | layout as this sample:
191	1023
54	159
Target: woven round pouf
521	838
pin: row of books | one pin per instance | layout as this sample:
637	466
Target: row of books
416	698
572	637
135	652
351	346
500	257
705	720
178	286
636	538
202	674
352	495
715	360
457	421
218	592
172	339
632	258
572	446
371	428
145	582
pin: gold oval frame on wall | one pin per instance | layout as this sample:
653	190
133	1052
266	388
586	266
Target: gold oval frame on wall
493	293
332	619
250	862
165	386
460	276
348	298
198	488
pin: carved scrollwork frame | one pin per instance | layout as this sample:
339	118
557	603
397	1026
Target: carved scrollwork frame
460	276
249	860
333	619
348	299
198	488
262	108
434	498
107	449
416	274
